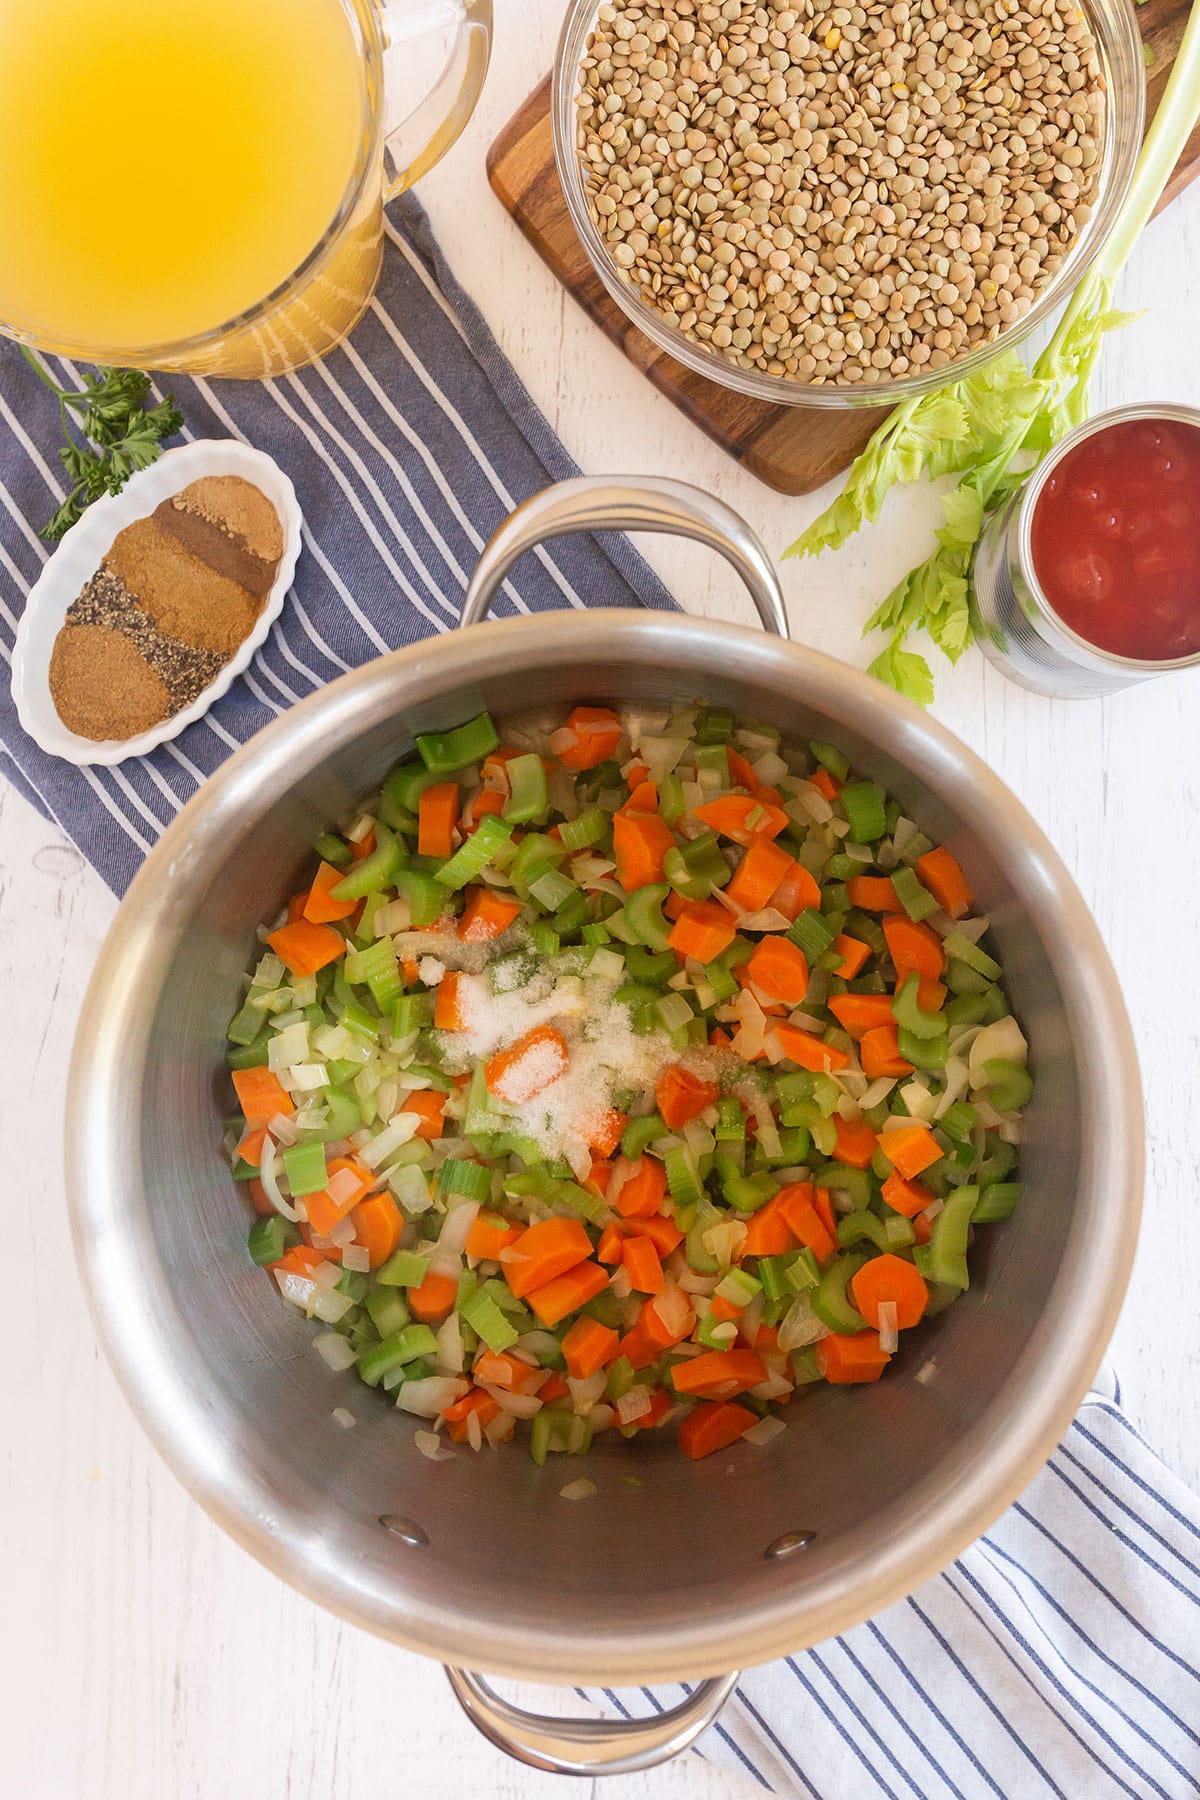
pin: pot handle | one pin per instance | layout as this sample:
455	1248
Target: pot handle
628	503
589	1746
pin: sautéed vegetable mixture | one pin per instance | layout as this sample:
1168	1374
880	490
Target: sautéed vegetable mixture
633	1071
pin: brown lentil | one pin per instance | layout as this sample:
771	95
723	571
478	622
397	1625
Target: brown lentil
817	170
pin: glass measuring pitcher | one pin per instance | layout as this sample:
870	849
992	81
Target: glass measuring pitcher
200	186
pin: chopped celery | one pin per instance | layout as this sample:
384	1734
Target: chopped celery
812	933
528	795
484	1316
332	850
445	752
639	1133
589	828
947	1247
374	872
959	946
863	805
1009	1086
404	1269
911	1016
476	853
304	1166
916	900
388	1311
830	1299
831	758
997	1201
270	1239
393	1351
470	1179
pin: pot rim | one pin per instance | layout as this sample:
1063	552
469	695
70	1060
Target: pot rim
997	1456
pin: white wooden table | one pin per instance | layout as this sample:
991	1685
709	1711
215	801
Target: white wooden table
143	1656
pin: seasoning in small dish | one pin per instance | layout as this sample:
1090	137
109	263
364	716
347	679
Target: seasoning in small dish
176	594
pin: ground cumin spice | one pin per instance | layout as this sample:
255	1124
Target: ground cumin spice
176	593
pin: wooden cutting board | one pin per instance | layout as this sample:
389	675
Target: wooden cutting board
792	448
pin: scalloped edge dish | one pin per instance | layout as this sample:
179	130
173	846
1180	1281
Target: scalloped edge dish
77	559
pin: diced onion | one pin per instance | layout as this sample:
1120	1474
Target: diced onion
282	1128
430	1445
1004	1040
889	1336
800	1325
767	918
266	1174
356	1258
429	1398
344	1417
634	1404
765	1431
452	1240
674	1309
921	1103
521	1406
334	1349
450	1345
586	1391
581	1489
810	803
606	965
328	1305
297	1290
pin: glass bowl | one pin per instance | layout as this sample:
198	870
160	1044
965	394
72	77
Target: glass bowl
1119	46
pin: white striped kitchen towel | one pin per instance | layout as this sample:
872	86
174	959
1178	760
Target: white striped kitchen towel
1059	1656
407	447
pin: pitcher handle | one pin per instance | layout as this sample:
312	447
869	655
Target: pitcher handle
589	1746
628	503
423	137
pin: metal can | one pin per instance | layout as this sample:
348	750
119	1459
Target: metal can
1020	630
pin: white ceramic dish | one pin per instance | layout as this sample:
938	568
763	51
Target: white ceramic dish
77	559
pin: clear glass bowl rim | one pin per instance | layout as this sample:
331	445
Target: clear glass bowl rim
1120	46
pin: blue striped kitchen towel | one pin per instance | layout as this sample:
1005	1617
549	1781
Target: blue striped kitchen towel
407	447
1058	1656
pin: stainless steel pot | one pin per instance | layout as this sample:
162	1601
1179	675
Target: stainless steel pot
477	1561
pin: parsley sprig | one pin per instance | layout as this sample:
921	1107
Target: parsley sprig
110	434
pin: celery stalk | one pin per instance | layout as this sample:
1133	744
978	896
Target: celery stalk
1005	414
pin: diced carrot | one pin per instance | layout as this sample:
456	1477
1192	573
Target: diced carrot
743	774
499	1369
797	1206
854	954
447	1013
437	814
719	1038
429	1104
250	1148
303	947
893	1279
567	1293
910	1148
873	893
759	875
363	847
295	908
378	1223
589	1347
880	1052
674	905
323	1211
486	915
643	797
663	1233
704	929
641	1194
611	1248
319	905
635	774
640	841
940	872
260	1199
261	1096
719	1374
774	1008
644	1268
743	818
489	1235
604	1134
825	784
768	1233
681	1096
476	1402
807	1051
721	1311
854	1143
543	1251
302	1260
907	1197
555	1389
597	733
780	969
523	1069
434	1298
857	1013
651	1322
638	1348
931	995
923	1227
851	1356
914	949
713	1425
796	890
